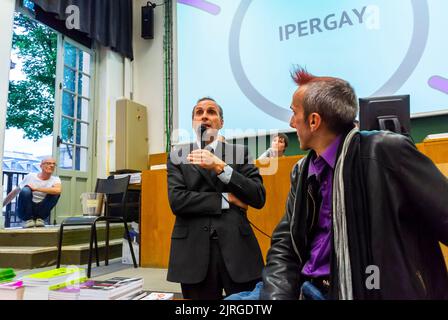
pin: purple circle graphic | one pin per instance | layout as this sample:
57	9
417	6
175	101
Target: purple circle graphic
439	83
202	5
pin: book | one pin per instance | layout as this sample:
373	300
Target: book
135	296
6	274
39	285
159	296
67	293
110	289
12	290
55	278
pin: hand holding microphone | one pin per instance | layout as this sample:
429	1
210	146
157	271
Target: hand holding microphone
203	157
207	160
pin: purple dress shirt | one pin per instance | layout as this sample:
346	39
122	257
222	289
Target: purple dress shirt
322	167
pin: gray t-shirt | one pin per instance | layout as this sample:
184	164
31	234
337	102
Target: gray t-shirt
33	179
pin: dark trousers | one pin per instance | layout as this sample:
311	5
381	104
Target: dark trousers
216	280
27	209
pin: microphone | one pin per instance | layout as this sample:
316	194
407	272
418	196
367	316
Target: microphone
271	152
202	129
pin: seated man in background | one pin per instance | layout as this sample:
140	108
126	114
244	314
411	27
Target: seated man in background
38	194
278	147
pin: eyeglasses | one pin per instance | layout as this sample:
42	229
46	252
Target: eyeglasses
50	163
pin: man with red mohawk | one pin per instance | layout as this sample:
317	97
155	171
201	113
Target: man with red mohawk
365	212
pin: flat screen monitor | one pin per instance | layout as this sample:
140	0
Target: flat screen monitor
385	113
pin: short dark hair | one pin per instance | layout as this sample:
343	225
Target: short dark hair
221	114
283	137
332	98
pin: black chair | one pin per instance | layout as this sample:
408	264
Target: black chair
115	212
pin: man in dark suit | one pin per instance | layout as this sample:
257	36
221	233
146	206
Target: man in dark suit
213	246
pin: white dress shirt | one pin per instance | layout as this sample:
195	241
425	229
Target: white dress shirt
224	176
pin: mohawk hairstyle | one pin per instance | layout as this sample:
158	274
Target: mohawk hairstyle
332	98
301	76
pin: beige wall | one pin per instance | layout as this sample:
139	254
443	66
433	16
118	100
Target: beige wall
142	80
148	75
109	87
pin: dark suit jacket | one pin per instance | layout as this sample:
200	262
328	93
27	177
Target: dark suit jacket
195	198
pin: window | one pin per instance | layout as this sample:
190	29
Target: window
76	105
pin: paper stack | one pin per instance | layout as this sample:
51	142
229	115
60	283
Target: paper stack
135	296
135	177
12	290
68	293
38	285
111	289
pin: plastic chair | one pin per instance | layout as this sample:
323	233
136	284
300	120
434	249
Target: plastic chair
112	188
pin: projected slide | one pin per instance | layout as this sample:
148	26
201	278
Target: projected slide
241	53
